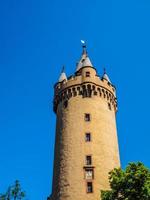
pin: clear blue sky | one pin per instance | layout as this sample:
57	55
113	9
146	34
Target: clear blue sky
36	39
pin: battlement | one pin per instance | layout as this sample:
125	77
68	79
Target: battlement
86	87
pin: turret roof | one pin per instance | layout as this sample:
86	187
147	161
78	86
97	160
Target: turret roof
105	76
62	76
87	62
84	61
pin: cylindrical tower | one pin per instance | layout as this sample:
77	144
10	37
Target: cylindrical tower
86	146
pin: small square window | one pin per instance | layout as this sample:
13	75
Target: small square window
89	187
65	104
87	117
88	160
88	137
87	74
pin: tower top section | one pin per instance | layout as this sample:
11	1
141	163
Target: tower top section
85	82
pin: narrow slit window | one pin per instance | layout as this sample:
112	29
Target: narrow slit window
65	104
88	137
89	187
88	160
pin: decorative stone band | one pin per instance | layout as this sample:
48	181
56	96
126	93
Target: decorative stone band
86	90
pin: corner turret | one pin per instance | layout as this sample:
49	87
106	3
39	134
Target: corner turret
105	76
63	76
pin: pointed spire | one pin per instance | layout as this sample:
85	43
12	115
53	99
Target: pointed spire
84	61
105	76
63	75
63	69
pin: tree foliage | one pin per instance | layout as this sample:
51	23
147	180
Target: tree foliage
133	183
14	192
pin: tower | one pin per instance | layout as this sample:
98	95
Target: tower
86	146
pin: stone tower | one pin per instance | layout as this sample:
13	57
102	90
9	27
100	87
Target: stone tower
86	146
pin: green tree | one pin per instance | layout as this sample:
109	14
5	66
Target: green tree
17	192
133	183
2	197
14	192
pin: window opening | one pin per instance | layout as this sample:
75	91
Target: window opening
87	74
87	117
88	160
89	187
88	137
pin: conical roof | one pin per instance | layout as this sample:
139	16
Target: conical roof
79	65
84	61
87	62
105	76
62	76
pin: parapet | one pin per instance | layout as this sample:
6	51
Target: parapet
87	84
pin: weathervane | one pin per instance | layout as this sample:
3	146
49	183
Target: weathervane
84	46
83	43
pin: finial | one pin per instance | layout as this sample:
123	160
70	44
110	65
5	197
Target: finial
62	75
84	47
63	69
104	70
105	76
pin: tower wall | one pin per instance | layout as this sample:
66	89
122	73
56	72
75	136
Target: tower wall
78	96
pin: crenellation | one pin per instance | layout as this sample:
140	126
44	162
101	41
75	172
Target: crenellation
75	80
86	90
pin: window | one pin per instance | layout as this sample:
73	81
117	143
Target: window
87	74
88	160
89	187
65	104
89	174
88	137
87	117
